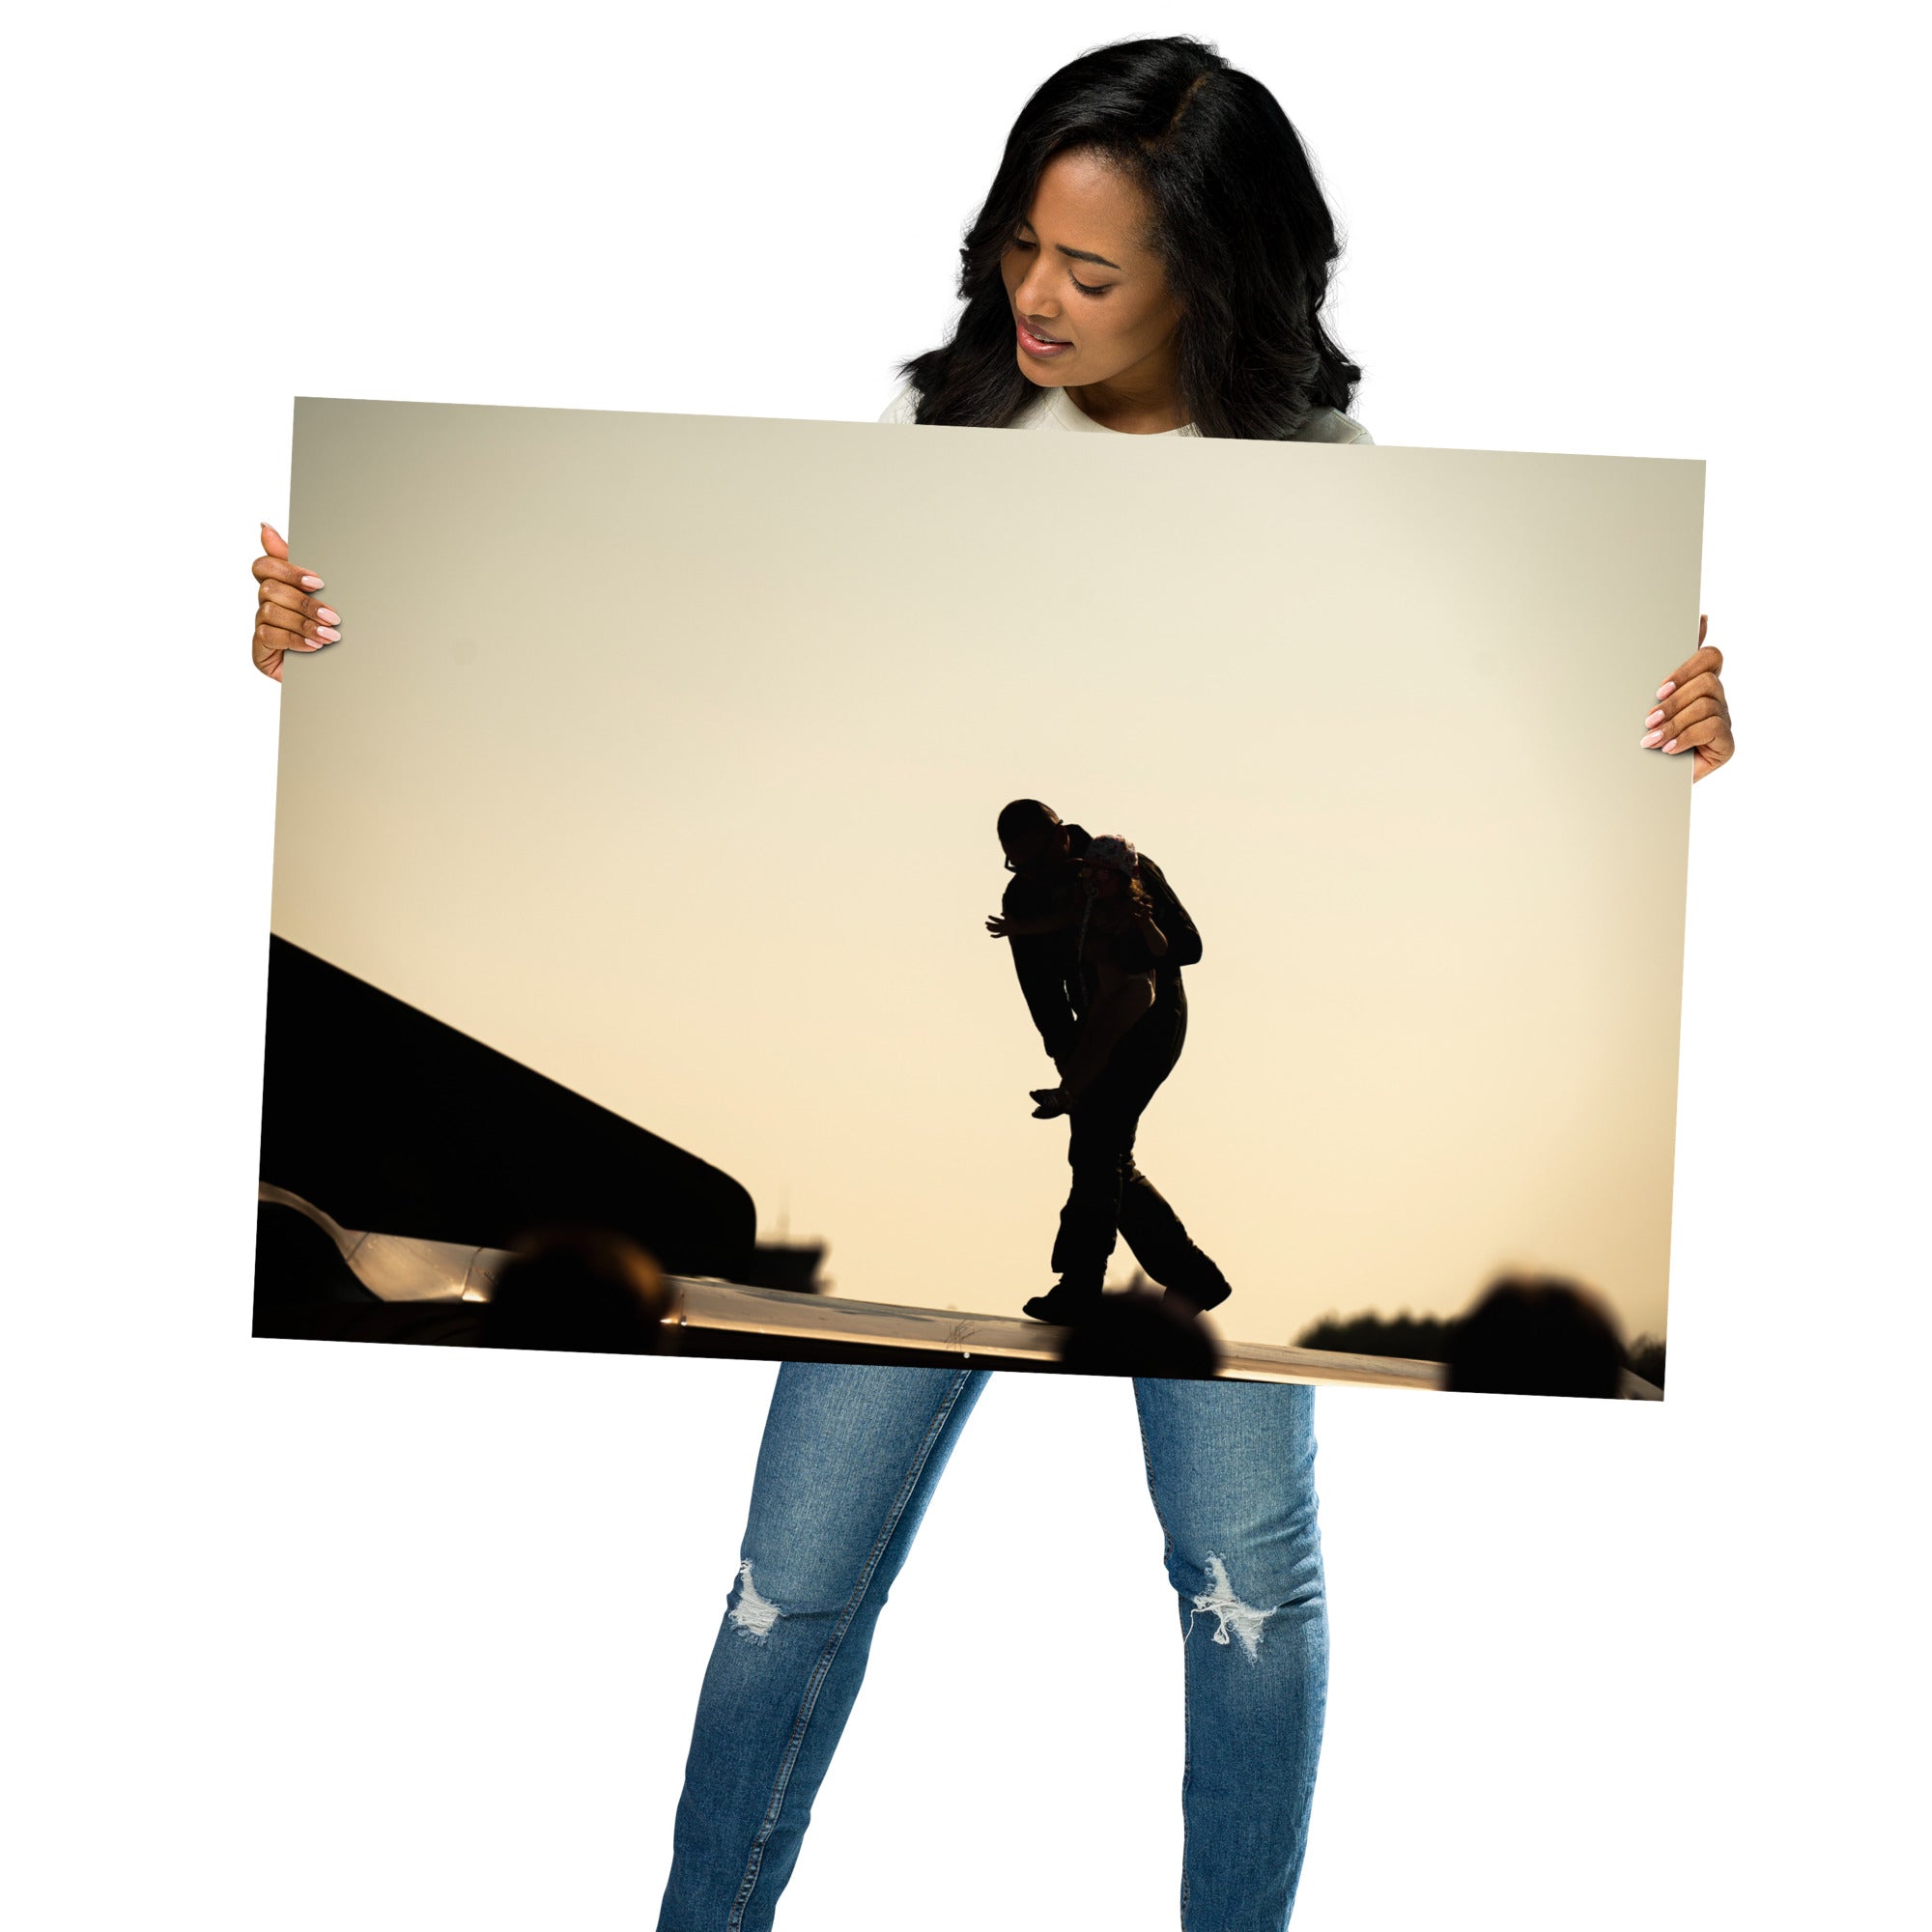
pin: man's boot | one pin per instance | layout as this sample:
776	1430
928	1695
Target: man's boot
1064	1303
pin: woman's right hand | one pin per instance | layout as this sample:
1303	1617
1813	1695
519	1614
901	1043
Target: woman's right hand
287	618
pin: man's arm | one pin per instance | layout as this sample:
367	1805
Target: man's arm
1039	959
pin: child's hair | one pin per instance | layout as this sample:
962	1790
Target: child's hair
1135	890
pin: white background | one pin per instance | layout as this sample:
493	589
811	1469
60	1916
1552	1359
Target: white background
312	1636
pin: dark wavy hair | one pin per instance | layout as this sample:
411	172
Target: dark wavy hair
1241	227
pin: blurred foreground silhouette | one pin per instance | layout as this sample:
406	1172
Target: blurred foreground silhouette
1525	1335
1537	1336
1139	1334
582	1289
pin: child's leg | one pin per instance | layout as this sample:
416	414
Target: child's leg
1106	1026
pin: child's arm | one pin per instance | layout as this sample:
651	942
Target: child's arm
1157	940
1000	926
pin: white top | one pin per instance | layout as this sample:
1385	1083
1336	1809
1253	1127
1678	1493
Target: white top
1055	409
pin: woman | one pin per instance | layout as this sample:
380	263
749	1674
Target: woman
1151	259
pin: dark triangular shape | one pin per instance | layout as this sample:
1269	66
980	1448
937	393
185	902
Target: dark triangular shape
387	1120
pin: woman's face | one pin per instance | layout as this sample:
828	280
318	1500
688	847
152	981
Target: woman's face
1104	881
1090	301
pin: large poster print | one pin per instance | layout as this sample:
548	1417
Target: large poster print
913	895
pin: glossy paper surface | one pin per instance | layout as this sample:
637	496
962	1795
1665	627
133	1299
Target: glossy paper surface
664	756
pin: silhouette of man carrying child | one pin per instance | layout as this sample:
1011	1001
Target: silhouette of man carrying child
1098	941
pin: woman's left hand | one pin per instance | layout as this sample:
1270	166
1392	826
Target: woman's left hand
1691	714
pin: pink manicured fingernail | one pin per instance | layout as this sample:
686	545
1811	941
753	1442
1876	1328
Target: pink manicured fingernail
1672	745
327	616
315	583
328	635
1665	689
1652	739
1656	717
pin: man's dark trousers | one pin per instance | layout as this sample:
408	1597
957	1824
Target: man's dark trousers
1109	1191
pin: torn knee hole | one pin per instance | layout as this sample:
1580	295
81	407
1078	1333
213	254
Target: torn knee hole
753	1615
1236	1622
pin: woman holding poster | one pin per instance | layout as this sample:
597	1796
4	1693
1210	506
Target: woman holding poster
1151	259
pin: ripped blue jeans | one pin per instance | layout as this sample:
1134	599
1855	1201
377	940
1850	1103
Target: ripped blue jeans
850	1461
